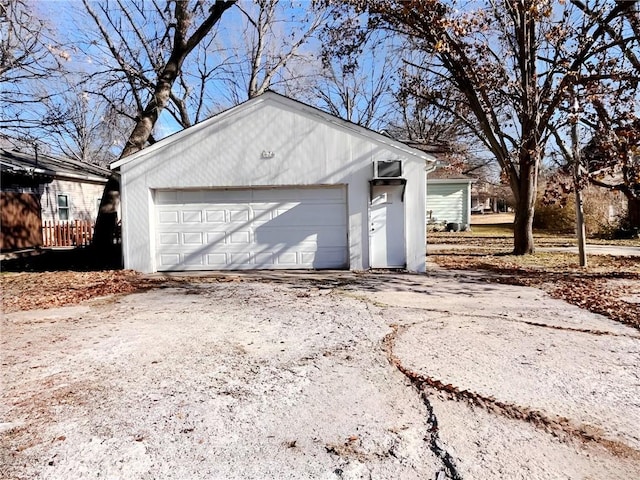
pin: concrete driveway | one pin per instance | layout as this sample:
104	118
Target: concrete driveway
327	375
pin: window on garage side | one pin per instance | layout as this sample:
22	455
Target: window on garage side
63	206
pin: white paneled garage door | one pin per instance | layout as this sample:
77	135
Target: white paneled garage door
297	228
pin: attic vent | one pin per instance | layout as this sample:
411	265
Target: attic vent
387	169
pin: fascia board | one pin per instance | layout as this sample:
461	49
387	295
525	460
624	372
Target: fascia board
450	180
287	102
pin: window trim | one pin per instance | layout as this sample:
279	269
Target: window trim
67	208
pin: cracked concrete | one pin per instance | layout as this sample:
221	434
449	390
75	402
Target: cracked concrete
296	375
522	357
421	384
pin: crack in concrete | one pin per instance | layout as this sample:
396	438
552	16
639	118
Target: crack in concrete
571	329
505	318
435	443
552	424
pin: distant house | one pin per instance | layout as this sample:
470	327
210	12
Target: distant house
40	188
488	197
449	198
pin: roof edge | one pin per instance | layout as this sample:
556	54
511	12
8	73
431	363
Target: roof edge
270	94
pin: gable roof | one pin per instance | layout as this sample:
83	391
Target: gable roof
275	98
26	164
443	173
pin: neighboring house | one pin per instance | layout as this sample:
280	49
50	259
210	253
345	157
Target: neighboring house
487	197
449	198
274	184
38	188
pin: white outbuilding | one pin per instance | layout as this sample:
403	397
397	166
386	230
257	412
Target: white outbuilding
274	184
449	198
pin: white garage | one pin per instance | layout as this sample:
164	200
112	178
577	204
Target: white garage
449	198
279	228
274	184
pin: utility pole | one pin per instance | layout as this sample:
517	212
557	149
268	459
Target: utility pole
580	229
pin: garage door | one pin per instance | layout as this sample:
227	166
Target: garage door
297	228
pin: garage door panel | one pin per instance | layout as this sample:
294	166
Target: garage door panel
166	197
302	215
191	216
169	217
192	238
306	195
194	259
216	237
190	196
272	228
215	216
278	236
218	260
230	197
169	259
264	259
328	256
240	237
172	238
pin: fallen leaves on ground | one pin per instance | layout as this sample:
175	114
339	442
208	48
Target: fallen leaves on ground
609	286
36	290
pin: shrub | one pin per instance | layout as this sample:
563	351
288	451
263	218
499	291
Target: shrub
603	212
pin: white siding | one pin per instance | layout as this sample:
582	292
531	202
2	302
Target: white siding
448	202
83	198
309	149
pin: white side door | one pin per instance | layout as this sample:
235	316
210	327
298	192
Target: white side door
386	228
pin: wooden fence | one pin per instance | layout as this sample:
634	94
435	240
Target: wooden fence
67	234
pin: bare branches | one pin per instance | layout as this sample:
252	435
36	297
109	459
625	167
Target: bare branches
265	50
149	44
31	61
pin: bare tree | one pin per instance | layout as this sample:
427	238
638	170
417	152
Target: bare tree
351	84
149	43
515	62
266	48
92	130
31	59
164	36
612	161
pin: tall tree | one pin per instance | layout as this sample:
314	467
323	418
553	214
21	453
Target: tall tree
91	130
177	28
612	161
353	87
515	63
152	60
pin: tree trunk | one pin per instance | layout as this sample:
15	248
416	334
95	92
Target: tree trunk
633	213
107	232
106	240
106	224
525	192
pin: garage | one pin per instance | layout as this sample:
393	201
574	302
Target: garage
274	184
449	198
262	228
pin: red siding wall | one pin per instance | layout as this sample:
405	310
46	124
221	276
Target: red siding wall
21	222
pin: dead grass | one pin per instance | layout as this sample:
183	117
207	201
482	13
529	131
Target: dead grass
501	235
609	285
